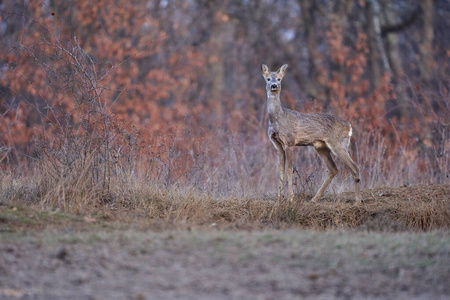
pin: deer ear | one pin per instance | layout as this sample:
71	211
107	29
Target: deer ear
265	70
282	70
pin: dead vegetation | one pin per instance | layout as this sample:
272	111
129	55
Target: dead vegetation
413	208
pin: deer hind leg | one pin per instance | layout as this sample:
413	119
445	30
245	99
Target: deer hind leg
325	154
345	158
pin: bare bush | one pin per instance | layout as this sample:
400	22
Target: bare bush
82	145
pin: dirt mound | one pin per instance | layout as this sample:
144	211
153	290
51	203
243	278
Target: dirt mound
417	208
424	207
411	208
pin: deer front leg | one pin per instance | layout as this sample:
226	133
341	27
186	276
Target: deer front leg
289	172
281	159
282	162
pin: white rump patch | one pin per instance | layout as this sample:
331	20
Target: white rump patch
349	135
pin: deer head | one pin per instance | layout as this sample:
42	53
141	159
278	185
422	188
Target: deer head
273	79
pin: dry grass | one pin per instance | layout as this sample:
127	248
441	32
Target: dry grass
417	208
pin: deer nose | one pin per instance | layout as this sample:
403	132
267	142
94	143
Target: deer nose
274	86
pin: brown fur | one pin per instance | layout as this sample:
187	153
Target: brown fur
326	133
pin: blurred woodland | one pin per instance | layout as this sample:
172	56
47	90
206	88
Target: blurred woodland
169	88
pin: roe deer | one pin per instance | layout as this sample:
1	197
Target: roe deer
326	133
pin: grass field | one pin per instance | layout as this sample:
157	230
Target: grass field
292	264
395	245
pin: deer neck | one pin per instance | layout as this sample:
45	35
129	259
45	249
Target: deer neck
274	106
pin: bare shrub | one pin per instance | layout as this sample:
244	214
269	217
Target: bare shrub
81	145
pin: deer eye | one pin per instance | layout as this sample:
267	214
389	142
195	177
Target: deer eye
278	79
268	79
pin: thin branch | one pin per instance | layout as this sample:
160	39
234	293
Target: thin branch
403	23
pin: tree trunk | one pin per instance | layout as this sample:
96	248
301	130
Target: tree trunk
374	57
399	106
426	43
216	60
307	9
377	50
393	53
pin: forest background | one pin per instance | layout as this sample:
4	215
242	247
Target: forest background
170	93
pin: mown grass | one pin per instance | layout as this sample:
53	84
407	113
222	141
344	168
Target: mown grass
287	264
